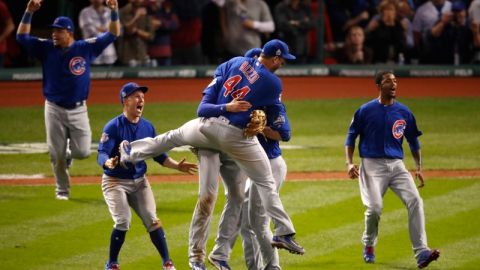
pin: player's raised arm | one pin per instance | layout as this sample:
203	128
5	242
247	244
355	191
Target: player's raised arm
114	26
25	24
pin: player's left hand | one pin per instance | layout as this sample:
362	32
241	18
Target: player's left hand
111	163
187	167
419	177
112	4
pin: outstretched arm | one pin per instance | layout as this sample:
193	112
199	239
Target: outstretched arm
25	24
114	26
182	166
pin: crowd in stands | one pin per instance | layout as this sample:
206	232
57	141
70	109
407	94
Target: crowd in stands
199	32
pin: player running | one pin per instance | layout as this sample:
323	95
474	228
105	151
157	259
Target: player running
66	85
125	187
382	123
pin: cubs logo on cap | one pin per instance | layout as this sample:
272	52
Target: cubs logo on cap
276	47
129	88
63	22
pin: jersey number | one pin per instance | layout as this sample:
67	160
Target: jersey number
235	93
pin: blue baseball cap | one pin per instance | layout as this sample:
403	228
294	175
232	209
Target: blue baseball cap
129	88
63	23
276	47
255	52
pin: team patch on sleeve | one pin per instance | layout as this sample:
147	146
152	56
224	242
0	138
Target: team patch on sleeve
279	121
398	128
104	138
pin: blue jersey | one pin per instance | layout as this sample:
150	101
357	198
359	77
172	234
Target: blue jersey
66	72
277	120
382	128
114	132
243	78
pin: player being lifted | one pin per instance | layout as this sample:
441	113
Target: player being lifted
66	85
382	123
252	80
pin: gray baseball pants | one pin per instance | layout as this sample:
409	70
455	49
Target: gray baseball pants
378	174
254	227
120	194
62	124
212	164
218	134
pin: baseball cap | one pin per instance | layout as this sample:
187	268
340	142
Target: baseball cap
63	23
255	52
276	47
129	88
458	6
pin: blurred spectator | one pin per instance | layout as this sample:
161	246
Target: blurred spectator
6	28
354	51
426	16
243	22
186	40
474	17
164	21
294	20
212	39
345	14
451	37
386	34
138	31
93	20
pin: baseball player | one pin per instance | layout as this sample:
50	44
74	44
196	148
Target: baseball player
253	217
243	78
128	187
212	164
66	84
382	124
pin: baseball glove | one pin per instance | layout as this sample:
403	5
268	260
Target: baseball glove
257	123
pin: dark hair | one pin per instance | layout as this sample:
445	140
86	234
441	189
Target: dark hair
380	74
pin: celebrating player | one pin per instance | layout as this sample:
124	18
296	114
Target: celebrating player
125	187
382	123
251	80
66	85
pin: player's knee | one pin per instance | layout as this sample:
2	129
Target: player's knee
207	203
374	210
81	153
122	225
153	225
415	203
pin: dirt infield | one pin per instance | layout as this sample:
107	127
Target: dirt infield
16	94
182	178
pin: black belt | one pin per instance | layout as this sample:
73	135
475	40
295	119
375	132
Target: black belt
70	106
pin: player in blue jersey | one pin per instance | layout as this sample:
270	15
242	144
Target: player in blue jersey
128	187
382	124
66	85
251	80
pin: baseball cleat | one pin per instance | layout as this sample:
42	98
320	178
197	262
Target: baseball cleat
62	197
112	266
168	266
124	150
287	242
368	254
219	264
426	257
197	266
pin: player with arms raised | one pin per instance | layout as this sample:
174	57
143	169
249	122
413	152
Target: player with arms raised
66	86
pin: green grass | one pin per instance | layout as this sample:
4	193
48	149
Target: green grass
38	232
450	128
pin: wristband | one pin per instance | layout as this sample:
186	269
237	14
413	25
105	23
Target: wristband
27	18
114	15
